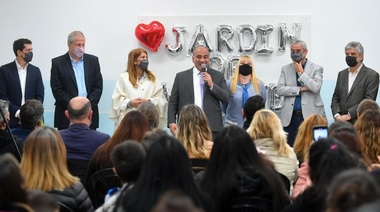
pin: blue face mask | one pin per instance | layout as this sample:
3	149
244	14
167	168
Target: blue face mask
144	64
296	57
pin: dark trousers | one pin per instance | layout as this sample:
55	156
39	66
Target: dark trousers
292	129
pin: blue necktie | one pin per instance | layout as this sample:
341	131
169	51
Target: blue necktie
245	92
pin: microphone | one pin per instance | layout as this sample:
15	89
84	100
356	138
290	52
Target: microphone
204	69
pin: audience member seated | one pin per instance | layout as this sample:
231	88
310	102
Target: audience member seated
44	167
166	167
151	112
251	106
368	128
303	180
302	143
348	136
237	170
351	189
152	136
368	207
366	104
336	125
127	159
327	158
270	138
41	201
31	113
194	132
13	195
133	126
80	141
7	144
175	201
304	137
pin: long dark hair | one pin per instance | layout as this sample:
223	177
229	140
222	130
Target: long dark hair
328	158
348	136
351	189
166	167
12	189
233	154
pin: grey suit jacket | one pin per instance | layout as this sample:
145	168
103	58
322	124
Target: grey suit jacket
365	86
183	93
311	100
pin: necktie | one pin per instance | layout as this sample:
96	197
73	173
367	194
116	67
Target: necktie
245	92
201	85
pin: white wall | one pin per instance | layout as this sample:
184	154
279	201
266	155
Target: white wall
109	29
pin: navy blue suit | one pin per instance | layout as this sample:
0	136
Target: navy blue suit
22	133
64	87
10	87
81	141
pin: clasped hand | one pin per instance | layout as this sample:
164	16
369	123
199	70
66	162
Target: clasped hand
136	102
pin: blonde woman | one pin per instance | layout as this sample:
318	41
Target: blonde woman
242	85
368	128
270	138
43	165
304	137
137	85
194	133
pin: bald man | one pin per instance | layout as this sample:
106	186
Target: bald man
80	140
202	86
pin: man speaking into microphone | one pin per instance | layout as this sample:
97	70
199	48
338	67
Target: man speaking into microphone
202	86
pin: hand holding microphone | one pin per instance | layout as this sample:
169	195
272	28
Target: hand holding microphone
204	69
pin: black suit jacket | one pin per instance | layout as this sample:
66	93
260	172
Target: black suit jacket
346	101
64	87
183	94
10	87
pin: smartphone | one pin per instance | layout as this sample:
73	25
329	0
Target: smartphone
320	132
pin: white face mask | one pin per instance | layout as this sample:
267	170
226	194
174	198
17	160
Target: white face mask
79	51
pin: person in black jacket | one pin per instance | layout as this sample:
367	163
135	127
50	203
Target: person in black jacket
75	74
237	170
44	167
166	167
6	141
13	195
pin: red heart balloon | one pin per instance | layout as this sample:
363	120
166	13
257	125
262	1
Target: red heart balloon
150	35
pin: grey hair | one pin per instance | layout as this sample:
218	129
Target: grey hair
72	35
151	112
4	107
355	45
302	43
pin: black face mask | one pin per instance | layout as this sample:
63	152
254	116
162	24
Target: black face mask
245	70
351	61
28	57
